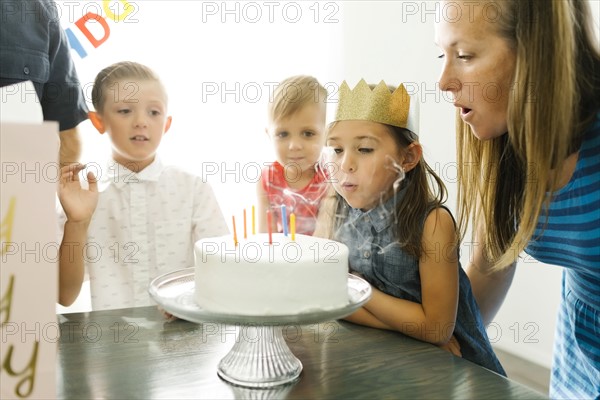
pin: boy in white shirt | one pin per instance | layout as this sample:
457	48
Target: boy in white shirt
147	216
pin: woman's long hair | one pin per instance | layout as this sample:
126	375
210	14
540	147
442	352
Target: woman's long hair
504	183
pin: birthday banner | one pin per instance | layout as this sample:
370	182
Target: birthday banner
28	258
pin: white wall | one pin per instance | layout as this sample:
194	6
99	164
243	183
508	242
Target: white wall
392	40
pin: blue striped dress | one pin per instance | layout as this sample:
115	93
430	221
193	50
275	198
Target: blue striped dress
571	239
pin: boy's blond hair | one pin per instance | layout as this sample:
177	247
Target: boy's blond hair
294	93
116	73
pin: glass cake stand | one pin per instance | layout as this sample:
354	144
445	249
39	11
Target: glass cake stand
266	360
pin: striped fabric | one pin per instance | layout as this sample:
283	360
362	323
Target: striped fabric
572	239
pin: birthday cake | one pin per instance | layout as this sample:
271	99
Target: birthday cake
259	278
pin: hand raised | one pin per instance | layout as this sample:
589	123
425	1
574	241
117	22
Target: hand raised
79	203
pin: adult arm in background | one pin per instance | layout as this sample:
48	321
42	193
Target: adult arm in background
70	146
63	99
35	48
489	287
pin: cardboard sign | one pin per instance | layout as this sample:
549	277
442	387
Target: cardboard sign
28	259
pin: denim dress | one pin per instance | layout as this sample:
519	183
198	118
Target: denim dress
380	259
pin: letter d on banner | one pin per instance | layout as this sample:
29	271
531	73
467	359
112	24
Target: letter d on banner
81	24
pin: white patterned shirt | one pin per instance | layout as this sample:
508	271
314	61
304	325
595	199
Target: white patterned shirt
145	225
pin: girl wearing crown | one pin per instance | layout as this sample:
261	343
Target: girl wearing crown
388	209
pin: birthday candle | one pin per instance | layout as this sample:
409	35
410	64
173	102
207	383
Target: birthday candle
235	241
253	222
269	222
293	225
284	220
245	233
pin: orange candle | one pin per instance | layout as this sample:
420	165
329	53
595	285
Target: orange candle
245	232
269	222
253	222
235	241
293	225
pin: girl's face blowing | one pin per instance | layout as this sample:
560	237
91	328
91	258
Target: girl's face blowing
364	162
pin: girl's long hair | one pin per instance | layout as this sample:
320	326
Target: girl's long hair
504	183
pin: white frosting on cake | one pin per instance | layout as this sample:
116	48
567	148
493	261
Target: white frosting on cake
286	277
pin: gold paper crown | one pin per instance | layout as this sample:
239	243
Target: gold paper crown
378	105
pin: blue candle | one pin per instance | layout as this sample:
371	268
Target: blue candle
284	220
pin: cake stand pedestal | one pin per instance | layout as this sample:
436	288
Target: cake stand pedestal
260	357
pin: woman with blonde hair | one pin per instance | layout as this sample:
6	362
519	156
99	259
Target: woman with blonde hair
525	78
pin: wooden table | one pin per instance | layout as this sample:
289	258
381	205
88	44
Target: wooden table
135	353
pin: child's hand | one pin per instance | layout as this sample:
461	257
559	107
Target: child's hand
79	204
452	346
